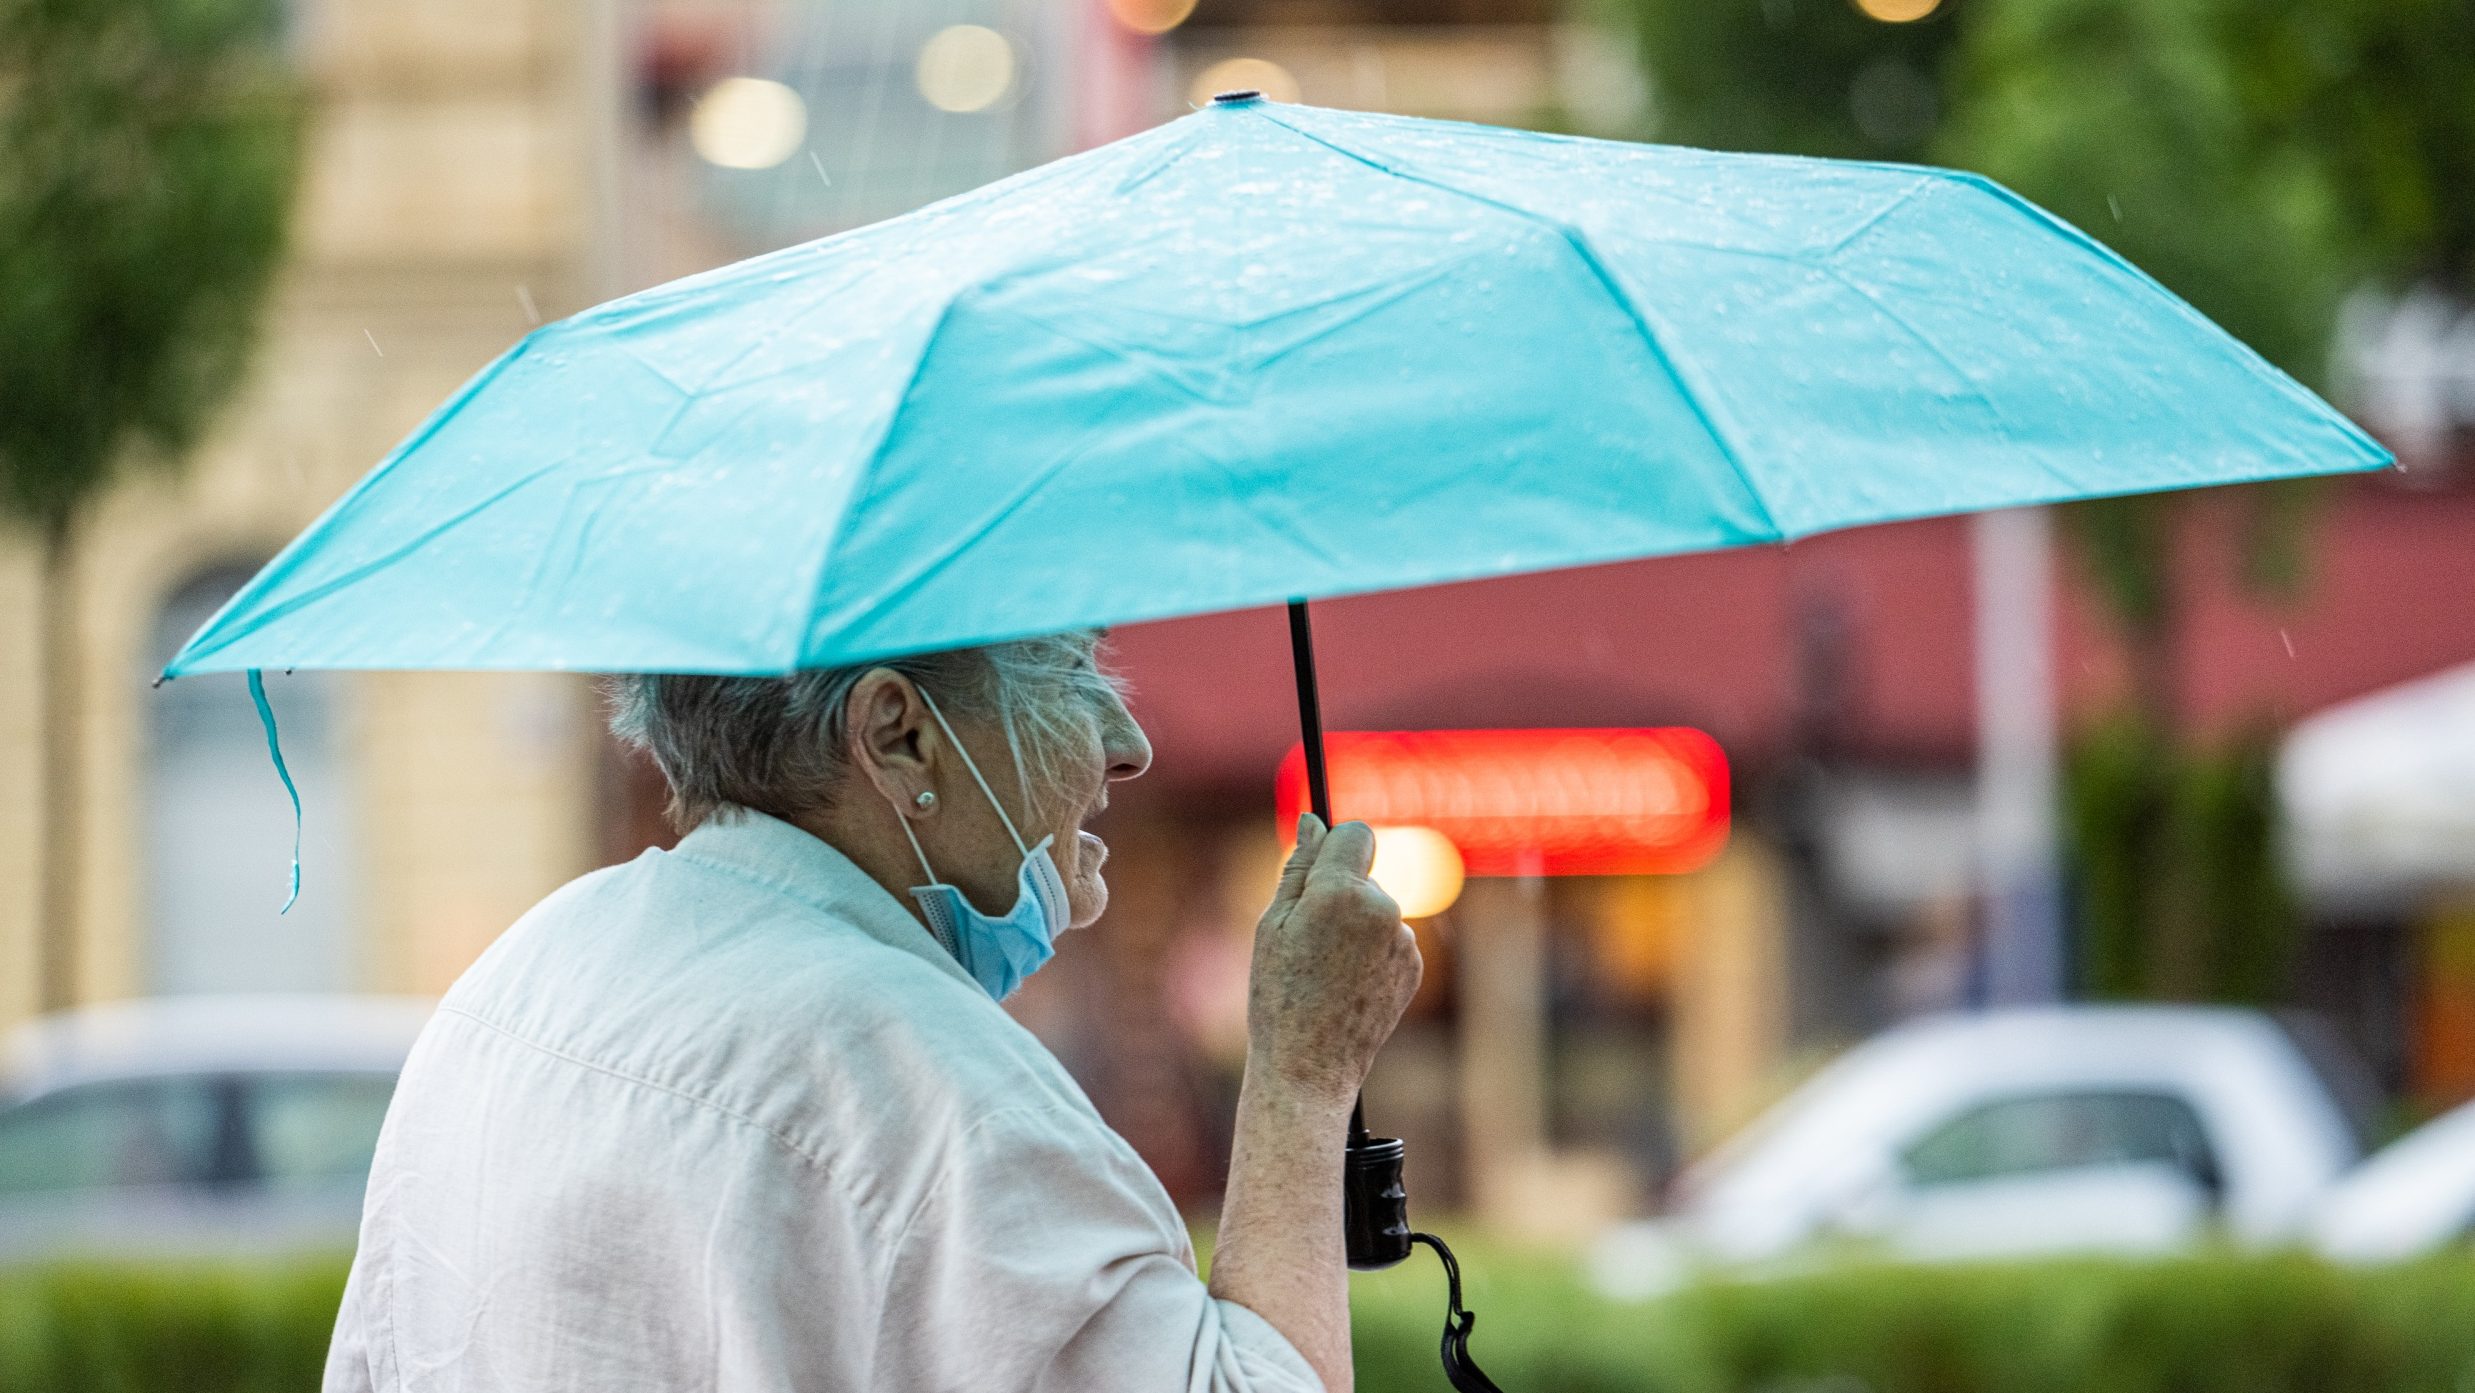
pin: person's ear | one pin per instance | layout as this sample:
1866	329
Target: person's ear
885	718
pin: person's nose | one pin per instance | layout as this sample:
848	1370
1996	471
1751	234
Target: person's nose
1128	749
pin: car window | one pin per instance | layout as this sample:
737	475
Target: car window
2061	1131
117	1133
316	1129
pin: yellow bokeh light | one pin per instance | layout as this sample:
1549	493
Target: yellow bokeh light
1897	11
1245	75
1151	16
748	123
966	67
1419	868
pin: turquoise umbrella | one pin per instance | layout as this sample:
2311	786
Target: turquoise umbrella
1261	352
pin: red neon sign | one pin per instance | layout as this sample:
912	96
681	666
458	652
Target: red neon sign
1550	802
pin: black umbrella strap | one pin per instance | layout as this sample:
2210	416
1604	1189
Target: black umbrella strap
1461	1371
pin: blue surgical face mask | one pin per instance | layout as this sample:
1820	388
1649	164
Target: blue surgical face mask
999	951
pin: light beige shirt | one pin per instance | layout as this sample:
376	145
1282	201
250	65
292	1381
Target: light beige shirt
727	1118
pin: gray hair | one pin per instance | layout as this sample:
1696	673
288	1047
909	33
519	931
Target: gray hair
778	744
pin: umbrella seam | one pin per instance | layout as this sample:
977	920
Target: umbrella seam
2260	368
866	471
1875	218
1578	241
868	459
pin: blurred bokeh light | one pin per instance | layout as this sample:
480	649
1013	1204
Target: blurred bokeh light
1898	11
966	67
1151	16
748	123
1419	868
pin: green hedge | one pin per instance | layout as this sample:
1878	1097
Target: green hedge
2283	1324
2197	1325
195	1329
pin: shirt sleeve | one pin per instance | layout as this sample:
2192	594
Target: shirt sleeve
1042	1255
348	1355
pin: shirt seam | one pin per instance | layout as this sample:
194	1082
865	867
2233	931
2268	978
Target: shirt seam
833	911
780	1139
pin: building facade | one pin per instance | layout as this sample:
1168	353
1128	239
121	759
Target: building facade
454	193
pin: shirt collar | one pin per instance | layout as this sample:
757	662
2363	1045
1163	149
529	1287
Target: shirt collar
762	848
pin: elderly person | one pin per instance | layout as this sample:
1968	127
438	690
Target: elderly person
746	1114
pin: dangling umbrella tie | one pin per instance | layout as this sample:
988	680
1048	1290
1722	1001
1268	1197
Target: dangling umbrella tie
275	751
1460	1370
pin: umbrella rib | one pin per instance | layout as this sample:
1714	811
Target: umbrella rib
1578	241
355	575
866	472
276	571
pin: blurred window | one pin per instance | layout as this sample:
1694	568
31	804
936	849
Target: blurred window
317	1129
218	824
121	1133
2063	1131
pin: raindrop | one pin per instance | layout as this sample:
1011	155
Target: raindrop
2288	640
373	338
815	160
524	297
2114	206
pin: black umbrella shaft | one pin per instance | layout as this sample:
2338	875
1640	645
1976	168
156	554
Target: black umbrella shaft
1318	783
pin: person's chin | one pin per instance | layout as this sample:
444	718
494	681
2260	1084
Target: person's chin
1088	892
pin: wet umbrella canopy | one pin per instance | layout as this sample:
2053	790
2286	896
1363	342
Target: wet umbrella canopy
1260	353
1264	351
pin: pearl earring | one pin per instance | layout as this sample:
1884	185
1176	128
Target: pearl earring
927	799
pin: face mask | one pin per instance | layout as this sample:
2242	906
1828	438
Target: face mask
998	951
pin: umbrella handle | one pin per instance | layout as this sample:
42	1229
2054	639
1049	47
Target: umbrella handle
1374	1207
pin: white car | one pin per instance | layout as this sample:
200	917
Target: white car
196	1125
2414	1196
2010	1133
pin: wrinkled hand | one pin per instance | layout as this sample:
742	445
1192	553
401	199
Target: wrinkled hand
1334	965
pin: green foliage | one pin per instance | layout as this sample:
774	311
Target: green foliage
131	1329
2215	1324
2383	93
2180	892
147	158
2212	1324
2257	156
1792	75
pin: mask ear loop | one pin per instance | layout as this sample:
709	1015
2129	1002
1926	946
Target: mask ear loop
969	764
914	838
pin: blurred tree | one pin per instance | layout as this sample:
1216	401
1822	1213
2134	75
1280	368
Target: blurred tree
2260	158
147	159
2383	93
1812	77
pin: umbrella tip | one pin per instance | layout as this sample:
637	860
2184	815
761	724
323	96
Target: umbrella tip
1239	97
